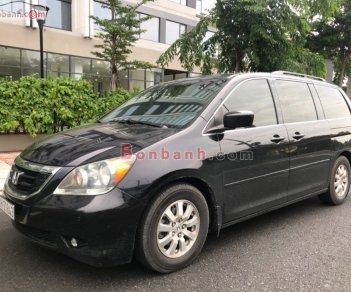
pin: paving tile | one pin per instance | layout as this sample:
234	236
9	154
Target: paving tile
8	157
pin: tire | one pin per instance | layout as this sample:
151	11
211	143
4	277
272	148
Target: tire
164	241
339	184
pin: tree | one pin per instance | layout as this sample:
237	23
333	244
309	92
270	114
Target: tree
333	39
253	35
118	34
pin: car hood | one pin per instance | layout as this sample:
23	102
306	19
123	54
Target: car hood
93	142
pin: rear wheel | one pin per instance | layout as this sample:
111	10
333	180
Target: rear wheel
174	229
339	185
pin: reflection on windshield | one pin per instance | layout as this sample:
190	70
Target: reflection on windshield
174	104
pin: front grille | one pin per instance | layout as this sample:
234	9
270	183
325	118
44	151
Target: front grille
27	179
28	182
39	236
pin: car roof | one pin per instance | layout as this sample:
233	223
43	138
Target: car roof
278	74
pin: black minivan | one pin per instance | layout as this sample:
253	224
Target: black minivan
155	175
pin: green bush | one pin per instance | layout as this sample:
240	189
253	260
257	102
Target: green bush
32	105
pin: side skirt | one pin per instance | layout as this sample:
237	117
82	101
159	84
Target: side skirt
272	209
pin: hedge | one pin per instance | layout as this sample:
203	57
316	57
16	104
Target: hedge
35	106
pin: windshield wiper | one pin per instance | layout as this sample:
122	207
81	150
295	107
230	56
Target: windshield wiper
135	122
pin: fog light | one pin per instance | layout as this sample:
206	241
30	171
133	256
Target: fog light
74	242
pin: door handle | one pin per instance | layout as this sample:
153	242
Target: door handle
298	136
277	139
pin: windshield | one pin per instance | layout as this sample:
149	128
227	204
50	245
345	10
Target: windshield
173	104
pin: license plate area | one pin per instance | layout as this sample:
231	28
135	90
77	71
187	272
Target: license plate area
7	208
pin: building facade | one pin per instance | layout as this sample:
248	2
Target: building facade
69	39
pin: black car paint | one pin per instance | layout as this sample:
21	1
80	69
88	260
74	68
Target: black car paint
235	189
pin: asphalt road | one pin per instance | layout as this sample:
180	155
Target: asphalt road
304	247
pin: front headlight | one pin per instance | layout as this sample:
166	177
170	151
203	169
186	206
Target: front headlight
95	178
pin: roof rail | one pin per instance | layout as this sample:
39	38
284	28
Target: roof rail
299	75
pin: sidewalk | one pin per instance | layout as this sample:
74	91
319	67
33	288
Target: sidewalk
4	171
6	159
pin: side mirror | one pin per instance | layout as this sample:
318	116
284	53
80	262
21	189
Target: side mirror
242	119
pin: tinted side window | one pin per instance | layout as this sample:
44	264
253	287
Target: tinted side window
255	96
333	102
296	101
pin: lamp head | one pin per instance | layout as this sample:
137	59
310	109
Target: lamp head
42	12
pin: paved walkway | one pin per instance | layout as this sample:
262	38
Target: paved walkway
4	171
6	159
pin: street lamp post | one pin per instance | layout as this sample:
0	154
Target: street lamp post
41	17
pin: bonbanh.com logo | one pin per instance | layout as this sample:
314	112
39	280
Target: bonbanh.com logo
32	14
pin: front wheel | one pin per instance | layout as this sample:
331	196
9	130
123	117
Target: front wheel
174	229
339	184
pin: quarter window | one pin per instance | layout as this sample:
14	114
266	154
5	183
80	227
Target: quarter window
296	101
333	102
255	96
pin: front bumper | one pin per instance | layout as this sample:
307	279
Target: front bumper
104	226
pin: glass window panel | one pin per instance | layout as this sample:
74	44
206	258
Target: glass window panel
173	31
149	84
182	29
150	76
123	75
333	102
152	27
80	76
80	66
31	59
101	68
254	96
168	78
101	12
11	7
10	57
134	84
30	72
59	15
101	84
9	73
180	76
296	101
123	79
55	74
158	77
58	64
137	75
124	83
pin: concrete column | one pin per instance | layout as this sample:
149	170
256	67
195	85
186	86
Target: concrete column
163	30
81	22
77	70
27	9
330	70
34	22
